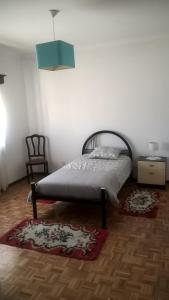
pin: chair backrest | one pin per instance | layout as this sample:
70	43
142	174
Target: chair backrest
35	146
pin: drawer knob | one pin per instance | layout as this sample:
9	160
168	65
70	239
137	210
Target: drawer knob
151	173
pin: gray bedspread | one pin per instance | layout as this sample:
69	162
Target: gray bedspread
83	178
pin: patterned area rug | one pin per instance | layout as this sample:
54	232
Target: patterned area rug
46	201
141	203
60	239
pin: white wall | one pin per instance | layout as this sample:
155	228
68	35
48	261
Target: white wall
116	87
32	90
13	95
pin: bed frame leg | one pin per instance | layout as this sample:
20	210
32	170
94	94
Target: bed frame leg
103	207
34	201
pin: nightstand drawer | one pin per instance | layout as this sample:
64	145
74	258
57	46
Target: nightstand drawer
151	177
151	166
151	171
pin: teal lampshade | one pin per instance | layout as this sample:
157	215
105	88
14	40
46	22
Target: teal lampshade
55	55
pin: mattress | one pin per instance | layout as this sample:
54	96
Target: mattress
83	177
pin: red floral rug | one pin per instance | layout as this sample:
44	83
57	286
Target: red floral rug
46	201
141	203
78	241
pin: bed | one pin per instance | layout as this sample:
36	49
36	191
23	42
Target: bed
89	179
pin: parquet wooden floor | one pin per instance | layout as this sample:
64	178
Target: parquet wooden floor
133	263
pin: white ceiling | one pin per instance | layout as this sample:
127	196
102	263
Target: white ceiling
24	23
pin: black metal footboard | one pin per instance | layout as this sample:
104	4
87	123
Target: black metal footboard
102	202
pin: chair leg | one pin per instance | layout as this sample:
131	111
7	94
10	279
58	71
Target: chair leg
27	172
31	172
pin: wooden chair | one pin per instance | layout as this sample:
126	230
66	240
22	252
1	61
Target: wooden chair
36	154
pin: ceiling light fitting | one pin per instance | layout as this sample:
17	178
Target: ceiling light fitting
55	55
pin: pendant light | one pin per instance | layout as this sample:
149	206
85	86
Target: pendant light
55	55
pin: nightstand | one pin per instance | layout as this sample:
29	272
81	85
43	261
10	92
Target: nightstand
151	171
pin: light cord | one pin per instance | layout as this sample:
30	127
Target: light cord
53	24
53	12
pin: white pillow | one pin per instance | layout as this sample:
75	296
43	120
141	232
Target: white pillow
105	153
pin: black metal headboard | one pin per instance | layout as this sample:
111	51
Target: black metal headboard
89	144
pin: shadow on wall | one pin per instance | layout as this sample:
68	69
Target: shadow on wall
165	147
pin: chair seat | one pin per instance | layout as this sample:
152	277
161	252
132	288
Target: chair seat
36	161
